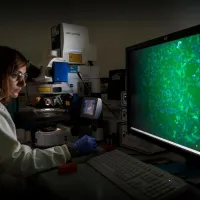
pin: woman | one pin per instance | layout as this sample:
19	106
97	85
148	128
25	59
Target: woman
17	159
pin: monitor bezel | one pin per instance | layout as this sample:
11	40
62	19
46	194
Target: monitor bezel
167	38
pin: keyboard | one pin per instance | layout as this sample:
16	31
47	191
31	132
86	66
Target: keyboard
140	180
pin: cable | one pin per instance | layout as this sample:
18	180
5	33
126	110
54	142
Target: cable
80	77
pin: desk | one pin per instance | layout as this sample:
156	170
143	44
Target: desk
86	182
92	185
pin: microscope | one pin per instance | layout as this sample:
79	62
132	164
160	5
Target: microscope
59	95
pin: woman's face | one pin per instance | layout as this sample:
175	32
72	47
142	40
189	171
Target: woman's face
17	81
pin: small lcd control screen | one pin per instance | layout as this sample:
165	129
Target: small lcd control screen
89	107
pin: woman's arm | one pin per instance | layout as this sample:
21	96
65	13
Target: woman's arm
17	159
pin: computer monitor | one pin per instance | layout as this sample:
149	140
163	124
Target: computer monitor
163	90
91	108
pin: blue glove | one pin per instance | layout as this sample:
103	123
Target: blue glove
85	145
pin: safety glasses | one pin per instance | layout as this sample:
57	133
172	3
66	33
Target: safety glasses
19	76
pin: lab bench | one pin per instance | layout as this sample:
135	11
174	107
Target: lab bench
91	184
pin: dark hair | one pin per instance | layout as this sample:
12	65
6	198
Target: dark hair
9	63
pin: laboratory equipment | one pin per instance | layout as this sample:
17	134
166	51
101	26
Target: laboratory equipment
140	180
163	92
71	42
44	125
50	136
58	85
60	72
71	52
91	108
53	126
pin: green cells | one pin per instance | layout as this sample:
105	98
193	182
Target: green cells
169	83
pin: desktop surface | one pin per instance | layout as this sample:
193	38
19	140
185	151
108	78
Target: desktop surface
85	182
90	183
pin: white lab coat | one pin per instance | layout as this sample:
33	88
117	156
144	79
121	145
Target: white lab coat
20	160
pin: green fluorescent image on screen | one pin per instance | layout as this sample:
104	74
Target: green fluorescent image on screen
168	84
